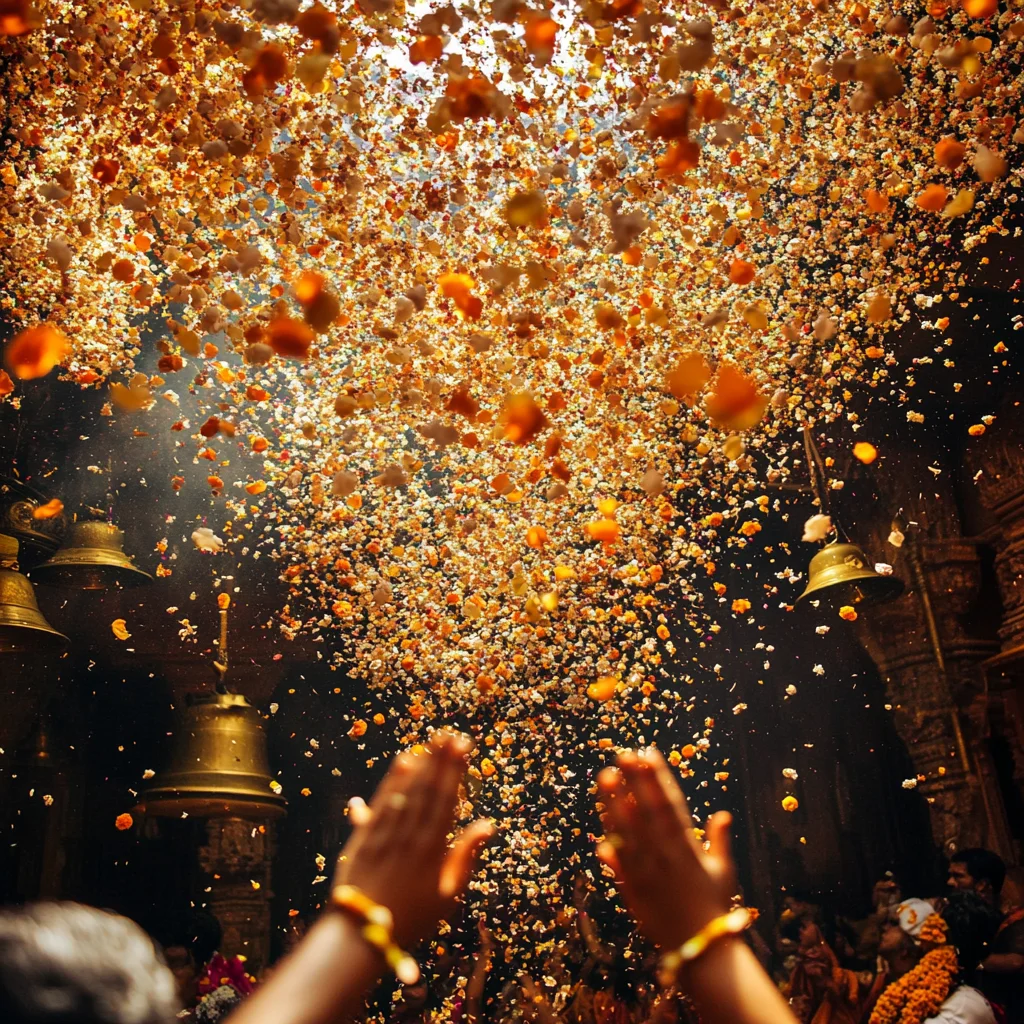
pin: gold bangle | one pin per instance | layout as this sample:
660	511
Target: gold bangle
376	927
735	921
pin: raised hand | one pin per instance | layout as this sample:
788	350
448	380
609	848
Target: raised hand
399	853
672	886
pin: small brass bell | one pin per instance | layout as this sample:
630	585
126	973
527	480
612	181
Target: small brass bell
841	574
22	626
92	558
218	765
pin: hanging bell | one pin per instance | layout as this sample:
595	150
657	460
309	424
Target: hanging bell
92	558
218	764
22	626
841	574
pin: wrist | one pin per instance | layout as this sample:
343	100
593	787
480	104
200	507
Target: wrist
716	931
699	974
690	924
375	925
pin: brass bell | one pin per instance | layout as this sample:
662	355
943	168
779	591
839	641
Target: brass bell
841	574
218	764
22	626
92	558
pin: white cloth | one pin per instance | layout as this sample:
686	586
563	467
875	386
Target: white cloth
912	915
964	1006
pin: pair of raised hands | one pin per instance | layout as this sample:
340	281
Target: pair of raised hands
400	856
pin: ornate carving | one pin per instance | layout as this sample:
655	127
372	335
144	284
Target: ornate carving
1010	572
927	697
238	856
234	847
38	538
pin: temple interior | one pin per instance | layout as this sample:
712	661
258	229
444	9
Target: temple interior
580	377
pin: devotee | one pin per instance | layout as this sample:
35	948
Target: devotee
679	894
1001	973
64	963
398	858
478	977
396	877
867	933
819	989
932	959
190	947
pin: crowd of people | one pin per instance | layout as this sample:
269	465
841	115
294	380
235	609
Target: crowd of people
689	953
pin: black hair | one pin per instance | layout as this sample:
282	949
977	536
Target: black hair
64	963
199	931
792	923
971	924
983	866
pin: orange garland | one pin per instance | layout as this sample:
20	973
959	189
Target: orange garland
920	993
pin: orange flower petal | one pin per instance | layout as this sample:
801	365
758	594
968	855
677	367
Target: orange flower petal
36	351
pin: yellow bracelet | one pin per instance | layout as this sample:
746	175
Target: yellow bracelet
732	923
377	925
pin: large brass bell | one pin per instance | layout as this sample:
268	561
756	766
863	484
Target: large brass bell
22	626
218	765
841	574
92	558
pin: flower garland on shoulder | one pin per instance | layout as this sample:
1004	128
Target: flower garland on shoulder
920	993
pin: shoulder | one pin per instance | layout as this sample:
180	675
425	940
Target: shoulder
1010	937
964	1006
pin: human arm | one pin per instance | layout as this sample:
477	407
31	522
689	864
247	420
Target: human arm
585	923
543	1010
478	979
1009	958
674	888
1003	963
399	856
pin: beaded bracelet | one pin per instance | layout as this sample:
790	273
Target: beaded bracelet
377	926
735	921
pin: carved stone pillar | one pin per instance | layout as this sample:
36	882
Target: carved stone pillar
999	466
1001	487
932	674
238	857
927	716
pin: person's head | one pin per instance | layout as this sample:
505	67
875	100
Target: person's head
804	930
898	943
203	934
186	973
798	901
971	923
63	963
189	942
980	871
809	933
817	965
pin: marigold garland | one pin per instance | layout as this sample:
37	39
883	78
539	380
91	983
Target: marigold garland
933	932
920	993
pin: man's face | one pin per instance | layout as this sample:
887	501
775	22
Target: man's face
809	933
891	938
959	878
